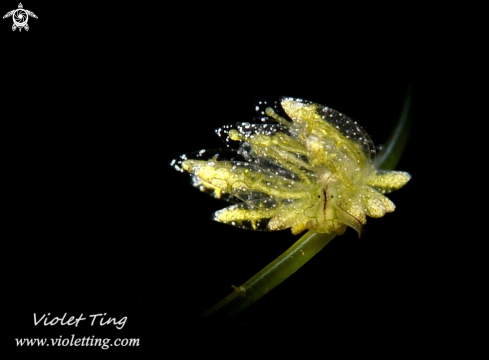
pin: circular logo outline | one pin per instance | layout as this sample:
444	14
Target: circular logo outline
24	13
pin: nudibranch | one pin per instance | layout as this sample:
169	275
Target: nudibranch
310	169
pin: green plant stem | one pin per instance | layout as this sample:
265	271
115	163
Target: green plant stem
395	144
268	278
310	243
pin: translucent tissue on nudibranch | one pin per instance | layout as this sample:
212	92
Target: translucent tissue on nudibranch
313	171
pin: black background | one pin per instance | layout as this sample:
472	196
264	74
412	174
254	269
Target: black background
98	102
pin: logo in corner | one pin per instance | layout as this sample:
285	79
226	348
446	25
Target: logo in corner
20	17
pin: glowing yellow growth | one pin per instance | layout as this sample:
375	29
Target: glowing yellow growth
312	173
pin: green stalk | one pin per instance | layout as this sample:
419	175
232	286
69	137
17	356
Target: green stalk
268	278
310	243
395	144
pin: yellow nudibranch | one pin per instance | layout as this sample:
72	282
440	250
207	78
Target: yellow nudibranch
313	171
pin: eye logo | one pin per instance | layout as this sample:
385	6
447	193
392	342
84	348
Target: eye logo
20	17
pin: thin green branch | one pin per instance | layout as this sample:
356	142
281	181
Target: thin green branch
310	243
388	158
268	278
